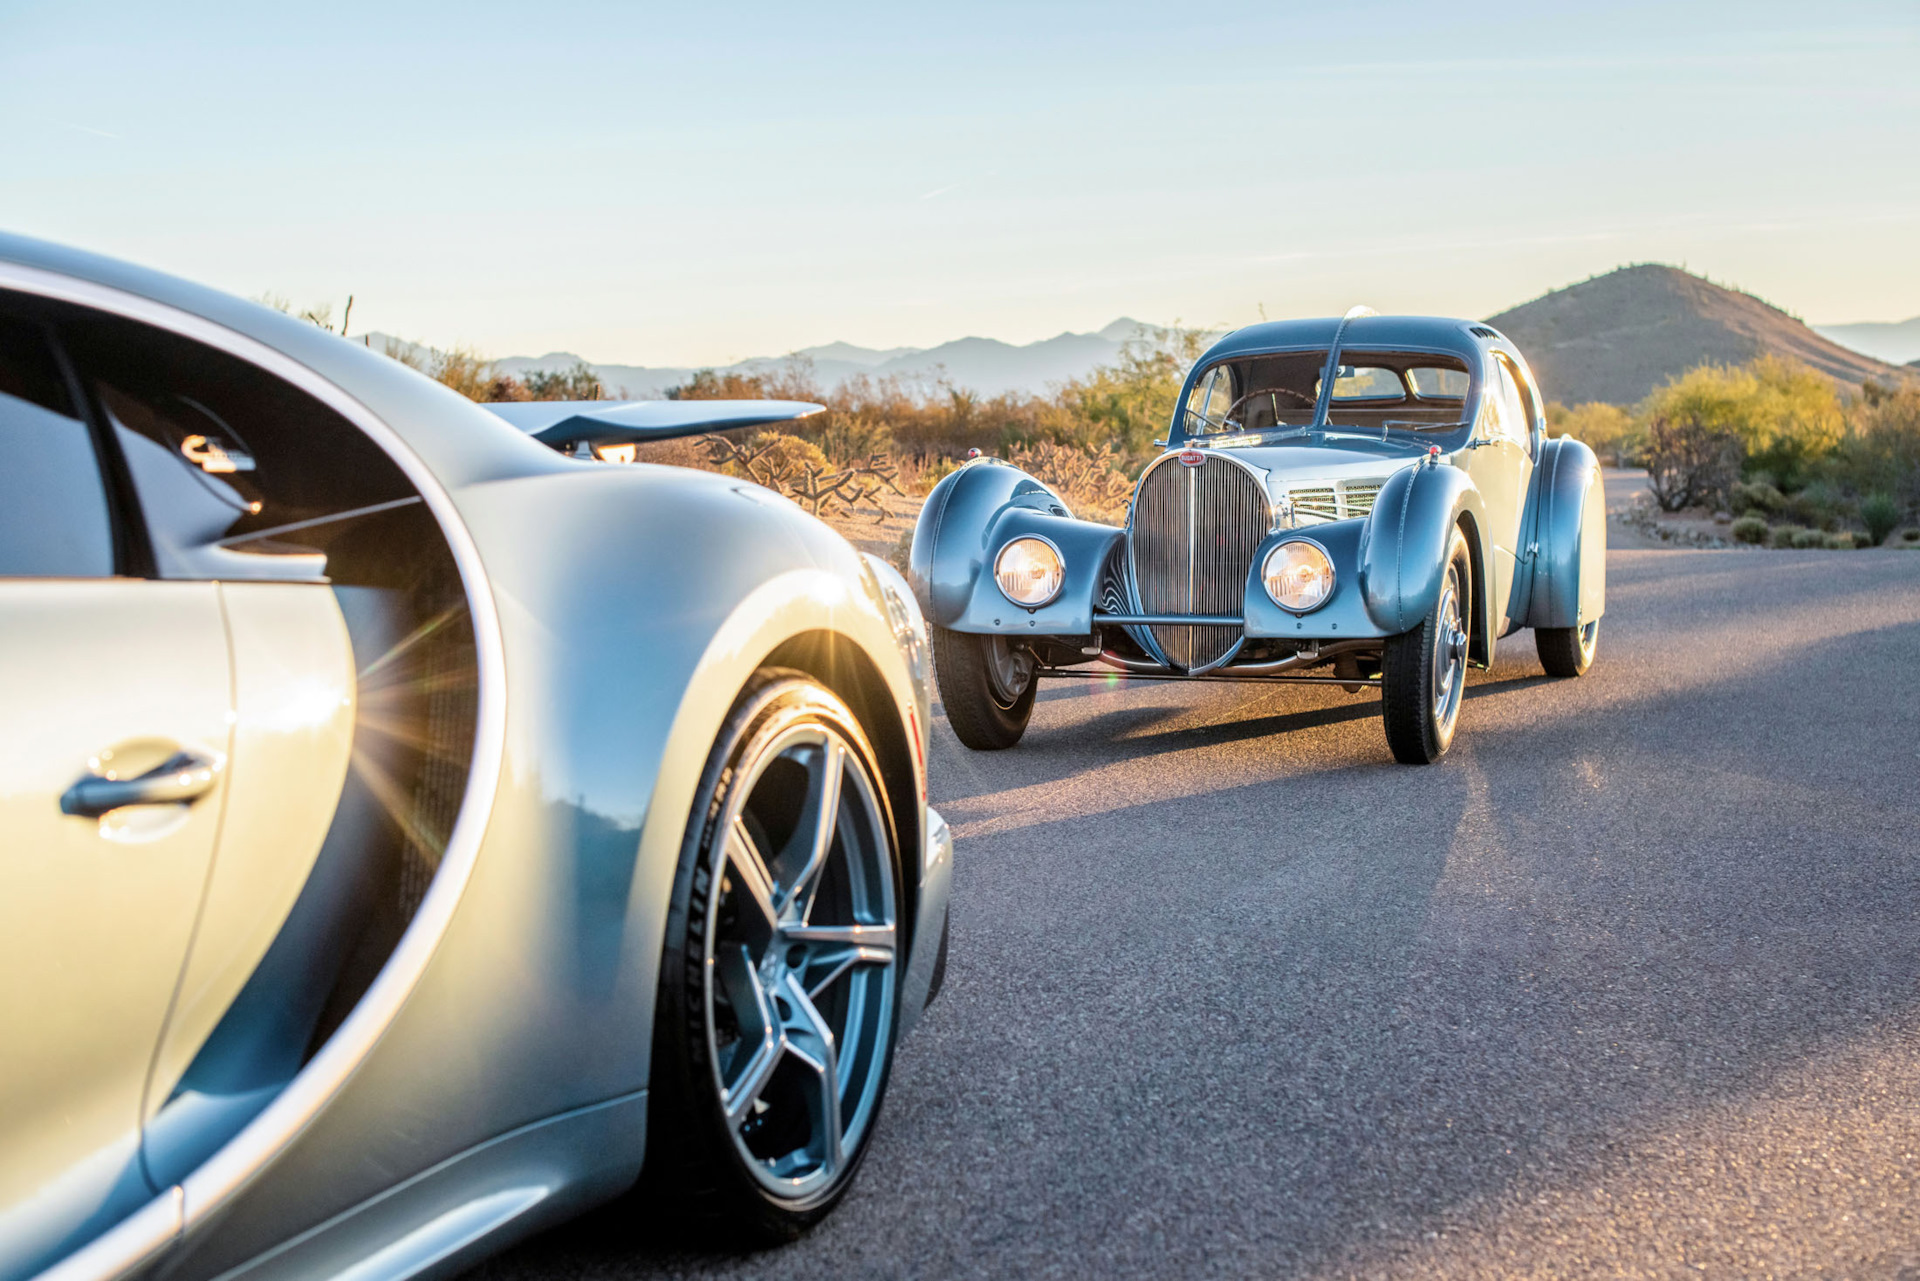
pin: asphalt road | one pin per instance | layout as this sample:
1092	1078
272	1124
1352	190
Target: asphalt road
1628	985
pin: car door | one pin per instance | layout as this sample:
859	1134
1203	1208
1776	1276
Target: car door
239	482
114	741
1501	464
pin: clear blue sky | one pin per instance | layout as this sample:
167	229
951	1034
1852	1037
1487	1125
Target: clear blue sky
696	183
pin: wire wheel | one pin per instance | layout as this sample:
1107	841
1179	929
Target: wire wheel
1423	672
800	962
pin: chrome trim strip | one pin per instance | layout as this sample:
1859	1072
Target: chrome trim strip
134	1241
1171	620
234	1165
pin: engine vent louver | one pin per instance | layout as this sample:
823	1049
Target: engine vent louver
1192	535
1315	504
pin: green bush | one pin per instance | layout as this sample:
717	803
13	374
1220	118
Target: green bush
1910	535
1782	535
1805	538
1755	496
1749	529
1843	541
1881	514
1817	506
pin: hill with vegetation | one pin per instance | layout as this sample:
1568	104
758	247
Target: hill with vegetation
1617	337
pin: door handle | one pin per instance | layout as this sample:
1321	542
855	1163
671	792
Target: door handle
182	778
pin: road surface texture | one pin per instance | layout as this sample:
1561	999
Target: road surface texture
1629	984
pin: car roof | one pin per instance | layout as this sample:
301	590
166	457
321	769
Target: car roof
457	439
1465	338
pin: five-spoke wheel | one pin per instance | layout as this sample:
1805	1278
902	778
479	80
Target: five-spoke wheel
782	965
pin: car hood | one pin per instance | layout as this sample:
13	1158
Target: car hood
1335	458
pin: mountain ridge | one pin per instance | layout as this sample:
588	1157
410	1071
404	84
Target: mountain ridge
1615	337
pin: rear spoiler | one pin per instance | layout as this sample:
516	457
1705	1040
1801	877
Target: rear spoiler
597	423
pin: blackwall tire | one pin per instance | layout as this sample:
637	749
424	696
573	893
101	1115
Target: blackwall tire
1423	672
1567	651
987	710
780	973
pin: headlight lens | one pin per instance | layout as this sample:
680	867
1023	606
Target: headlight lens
1029	571
1298	576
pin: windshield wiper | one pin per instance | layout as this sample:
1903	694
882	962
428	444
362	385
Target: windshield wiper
1407	424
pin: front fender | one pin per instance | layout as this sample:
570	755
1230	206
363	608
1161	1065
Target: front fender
1570	561
968	518
1403	546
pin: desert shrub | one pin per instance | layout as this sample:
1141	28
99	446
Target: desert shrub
1782	536
1881	514
1749	529
1784	415
1910	535
799	469
1882	451
1819	505
1754	496
1091	481
578	382
1845	540
1608	430
1804	539
1691	462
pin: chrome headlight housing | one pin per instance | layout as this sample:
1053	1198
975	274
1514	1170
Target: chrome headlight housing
1298	575
1029	571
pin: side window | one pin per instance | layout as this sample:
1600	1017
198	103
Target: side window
1500	414
1515	420
54	520
238	474
1523	400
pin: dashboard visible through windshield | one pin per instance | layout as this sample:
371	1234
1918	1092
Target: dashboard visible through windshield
1373	391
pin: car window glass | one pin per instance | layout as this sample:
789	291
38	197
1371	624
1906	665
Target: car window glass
1522	403
54	519
1512	419
1439	384
1365	383
239	475
1209	401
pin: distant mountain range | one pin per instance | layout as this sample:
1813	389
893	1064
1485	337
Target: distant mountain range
1611	338
1616	337
1896	342
984	365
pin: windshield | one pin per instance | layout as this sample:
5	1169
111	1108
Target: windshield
1374	391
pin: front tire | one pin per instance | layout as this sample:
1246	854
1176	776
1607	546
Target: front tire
1567	651
779	977
1424	672
987	686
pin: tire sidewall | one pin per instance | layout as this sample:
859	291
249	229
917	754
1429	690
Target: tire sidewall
690	1149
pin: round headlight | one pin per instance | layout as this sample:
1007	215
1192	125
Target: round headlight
1029	571
1298	576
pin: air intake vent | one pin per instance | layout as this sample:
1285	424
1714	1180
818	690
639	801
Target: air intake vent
1192	536
1481	331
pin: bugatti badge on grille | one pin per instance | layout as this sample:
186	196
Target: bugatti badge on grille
1192	457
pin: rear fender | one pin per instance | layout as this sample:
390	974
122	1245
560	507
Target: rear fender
1403	548
1570	563
967	519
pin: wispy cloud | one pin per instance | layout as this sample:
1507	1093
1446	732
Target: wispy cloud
939	191
98	133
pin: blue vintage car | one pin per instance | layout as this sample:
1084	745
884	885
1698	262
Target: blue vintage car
413	830
1370	501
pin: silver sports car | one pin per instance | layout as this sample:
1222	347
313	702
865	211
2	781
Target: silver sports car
411	832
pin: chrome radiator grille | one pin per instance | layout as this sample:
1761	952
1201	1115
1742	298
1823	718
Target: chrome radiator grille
1192	534
1314	504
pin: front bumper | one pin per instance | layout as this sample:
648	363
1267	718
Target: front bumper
925	961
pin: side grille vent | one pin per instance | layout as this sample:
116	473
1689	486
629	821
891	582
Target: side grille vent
1316	504
1192	537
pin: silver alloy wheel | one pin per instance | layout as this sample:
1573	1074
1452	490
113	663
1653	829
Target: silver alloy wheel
1449	657
1589	639
801	956
1009	669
